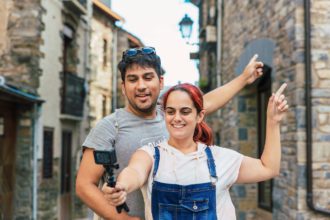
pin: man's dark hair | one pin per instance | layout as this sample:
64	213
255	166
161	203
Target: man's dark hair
142	60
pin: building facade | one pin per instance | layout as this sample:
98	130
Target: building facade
44	58
104	35
20	107
292	39
65	71
58	77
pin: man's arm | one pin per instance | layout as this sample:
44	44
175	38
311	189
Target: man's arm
218	97
87	189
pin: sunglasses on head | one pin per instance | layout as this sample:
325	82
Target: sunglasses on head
134	51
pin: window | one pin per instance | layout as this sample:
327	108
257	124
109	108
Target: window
73	86
217	138
104	106
73	95
69	54
47	162
265	189
105	53
2	125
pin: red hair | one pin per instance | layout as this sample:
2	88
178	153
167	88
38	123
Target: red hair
203	132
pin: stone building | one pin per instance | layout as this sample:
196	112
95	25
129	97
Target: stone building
58	77
20	35
44	58
104	38
292	39
108	41
65	71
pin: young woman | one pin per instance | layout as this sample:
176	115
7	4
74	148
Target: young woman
187	177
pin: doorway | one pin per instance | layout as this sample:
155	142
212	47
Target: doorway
66	175
7	158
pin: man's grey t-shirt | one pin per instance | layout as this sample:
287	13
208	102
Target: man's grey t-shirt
133	132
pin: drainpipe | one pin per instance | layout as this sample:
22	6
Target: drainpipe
219	42
87	34
114	68
219	46
309	151
35	135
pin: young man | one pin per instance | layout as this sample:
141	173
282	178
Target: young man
140	123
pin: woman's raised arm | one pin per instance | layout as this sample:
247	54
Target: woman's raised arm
268	166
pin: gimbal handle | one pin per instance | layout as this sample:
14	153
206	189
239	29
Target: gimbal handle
124	206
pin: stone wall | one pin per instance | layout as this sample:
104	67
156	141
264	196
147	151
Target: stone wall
20	28
262	19
5	8
283	22
101	73
23	195
320	42
19	60
48	192
52	204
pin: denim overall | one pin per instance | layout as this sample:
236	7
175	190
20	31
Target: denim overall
178	202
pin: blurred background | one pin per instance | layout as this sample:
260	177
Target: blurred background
58	78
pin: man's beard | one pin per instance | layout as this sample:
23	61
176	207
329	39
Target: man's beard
147	110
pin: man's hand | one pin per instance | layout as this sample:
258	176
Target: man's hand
253	70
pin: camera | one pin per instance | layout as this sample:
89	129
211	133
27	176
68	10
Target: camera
109	161
105	157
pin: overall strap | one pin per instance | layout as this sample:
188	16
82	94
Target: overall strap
210	162
156	162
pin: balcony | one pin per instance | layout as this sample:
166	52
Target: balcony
73	95
78	7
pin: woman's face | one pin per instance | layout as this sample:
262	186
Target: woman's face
181	116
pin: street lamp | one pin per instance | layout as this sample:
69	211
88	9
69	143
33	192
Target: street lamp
186	26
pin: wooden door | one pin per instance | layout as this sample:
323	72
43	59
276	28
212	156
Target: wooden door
7	158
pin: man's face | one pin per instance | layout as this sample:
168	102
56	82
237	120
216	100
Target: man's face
142	87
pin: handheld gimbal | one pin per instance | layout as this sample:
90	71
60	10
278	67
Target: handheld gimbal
109	161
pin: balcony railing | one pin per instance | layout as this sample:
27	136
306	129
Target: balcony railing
73	95
78	7
83	2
